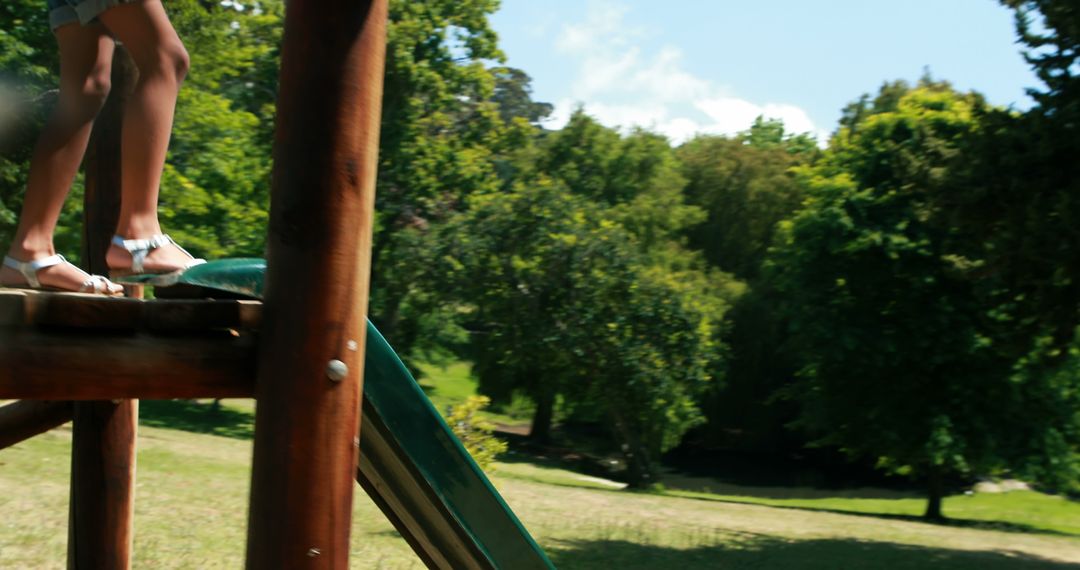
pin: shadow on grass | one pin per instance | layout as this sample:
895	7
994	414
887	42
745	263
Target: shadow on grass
1001	526
192	416
769	553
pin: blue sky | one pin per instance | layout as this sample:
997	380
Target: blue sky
687	66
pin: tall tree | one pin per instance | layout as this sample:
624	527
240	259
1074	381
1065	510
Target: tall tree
442	139
900	362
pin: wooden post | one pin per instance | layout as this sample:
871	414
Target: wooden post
312	341
102	485
103	441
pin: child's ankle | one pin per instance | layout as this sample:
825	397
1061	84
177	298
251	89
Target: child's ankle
28	249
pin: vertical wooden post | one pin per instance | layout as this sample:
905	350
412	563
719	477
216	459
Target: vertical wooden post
319	246
102	485
101	515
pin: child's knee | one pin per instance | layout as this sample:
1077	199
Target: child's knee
171	61
84	101
96	89
179	60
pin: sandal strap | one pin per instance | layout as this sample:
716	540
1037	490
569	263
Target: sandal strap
29	269
95	284
140	248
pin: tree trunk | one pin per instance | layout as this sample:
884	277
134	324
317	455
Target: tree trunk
935	491
540	432
640	471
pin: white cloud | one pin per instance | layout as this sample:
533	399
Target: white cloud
621	85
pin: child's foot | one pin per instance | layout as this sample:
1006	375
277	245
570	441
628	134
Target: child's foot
60	275
154	255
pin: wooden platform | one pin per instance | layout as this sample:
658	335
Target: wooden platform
70	346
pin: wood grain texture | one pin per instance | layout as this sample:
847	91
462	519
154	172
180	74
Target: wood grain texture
23	308
319	245
20	421
101	511
77	366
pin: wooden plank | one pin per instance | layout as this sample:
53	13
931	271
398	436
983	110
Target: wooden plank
51	366
181	316
319	244
22	420
82	311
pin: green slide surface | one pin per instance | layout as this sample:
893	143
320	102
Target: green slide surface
411	464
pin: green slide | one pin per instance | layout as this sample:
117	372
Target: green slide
411	464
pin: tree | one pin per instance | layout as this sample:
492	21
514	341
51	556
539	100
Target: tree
746	184
633	181
442	140
1022	218
513	95
560	300
897	362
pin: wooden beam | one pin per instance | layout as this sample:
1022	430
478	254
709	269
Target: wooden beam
20	421
319	244
22	308
76	366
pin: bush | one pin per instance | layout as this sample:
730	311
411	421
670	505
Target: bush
475	433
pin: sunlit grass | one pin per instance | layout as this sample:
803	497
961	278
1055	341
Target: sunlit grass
191	512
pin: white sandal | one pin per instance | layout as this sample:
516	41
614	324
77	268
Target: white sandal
95	284
139	249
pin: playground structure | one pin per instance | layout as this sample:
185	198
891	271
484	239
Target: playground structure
304	353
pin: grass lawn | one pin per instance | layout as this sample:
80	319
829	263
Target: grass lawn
452	384
193	482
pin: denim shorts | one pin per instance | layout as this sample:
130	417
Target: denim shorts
64	12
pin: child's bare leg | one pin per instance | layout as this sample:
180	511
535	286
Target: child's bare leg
145	30
85	66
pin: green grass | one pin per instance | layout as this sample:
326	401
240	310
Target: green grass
192	492
449	385
452	384
192	489
1023	510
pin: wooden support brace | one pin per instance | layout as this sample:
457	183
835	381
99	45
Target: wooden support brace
20	421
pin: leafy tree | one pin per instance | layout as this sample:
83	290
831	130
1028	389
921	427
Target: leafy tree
559	300
1022	218
513	95
745	186
442	139
632	180
770	134
897	363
